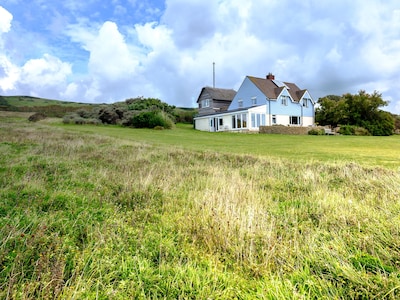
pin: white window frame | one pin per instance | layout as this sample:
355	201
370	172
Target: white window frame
205	103
298	120
284	100
239	118
253	101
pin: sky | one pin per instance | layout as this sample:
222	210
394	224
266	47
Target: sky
101	51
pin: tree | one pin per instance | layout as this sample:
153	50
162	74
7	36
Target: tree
331	110
362	110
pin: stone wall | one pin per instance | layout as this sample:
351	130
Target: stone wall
280	129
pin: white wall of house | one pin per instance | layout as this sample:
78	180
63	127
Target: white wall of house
202	123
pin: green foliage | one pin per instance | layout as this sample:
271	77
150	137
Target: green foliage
3	101
151	119
316	131
149	104
111	114
331	110
137	112
353	130
360	110
185	115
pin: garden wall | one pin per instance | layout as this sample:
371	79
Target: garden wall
277	129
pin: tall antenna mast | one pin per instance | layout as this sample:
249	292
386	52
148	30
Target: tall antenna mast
213	74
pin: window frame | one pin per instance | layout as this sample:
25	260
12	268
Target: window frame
297	118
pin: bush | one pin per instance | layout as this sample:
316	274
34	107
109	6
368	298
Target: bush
316	131
353	130
361	131
37	117
151	119
75	118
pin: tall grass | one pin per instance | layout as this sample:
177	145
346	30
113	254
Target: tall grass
90	216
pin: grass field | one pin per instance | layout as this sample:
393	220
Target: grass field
102	212
367	151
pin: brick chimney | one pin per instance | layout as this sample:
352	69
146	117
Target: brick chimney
270	76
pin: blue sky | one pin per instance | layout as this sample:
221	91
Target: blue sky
106	51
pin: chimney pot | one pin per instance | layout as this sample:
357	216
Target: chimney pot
270	76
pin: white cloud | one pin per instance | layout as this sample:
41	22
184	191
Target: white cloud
328	47
46	71
5	20
9	74
112	61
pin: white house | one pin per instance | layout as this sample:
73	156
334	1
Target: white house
259	102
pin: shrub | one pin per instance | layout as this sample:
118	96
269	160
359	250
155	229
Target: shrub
346	130
361	131
75	118
353	130
316	131
37	117
111	115
151	119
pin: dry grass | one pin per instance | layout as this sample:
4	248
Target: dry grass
86	216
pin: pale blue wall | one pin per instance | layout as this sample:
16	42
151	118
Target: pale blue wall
246	91
308	111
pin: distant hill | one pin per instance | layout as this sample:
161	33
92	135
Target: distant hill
52	108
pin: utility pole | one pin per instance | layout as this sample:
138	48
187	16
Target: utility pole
213	74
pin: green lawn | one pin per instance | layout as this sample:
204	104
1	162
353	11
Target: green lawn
367	151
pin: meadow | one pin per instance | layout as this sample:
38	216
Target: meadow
104	212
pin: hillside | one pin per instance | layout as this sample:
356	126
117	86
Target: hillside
52	108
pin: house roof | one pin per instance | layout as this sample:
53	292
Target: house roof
218	94
272	88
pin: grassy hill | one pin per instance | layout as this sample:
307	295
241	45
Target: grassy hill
104	212
57	108
52	108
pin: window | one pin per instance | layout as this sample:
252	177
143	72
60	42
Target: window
273	119
284	100
205	103
221	121
257	120
306	101
239	121
253	101
294	120
240	103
